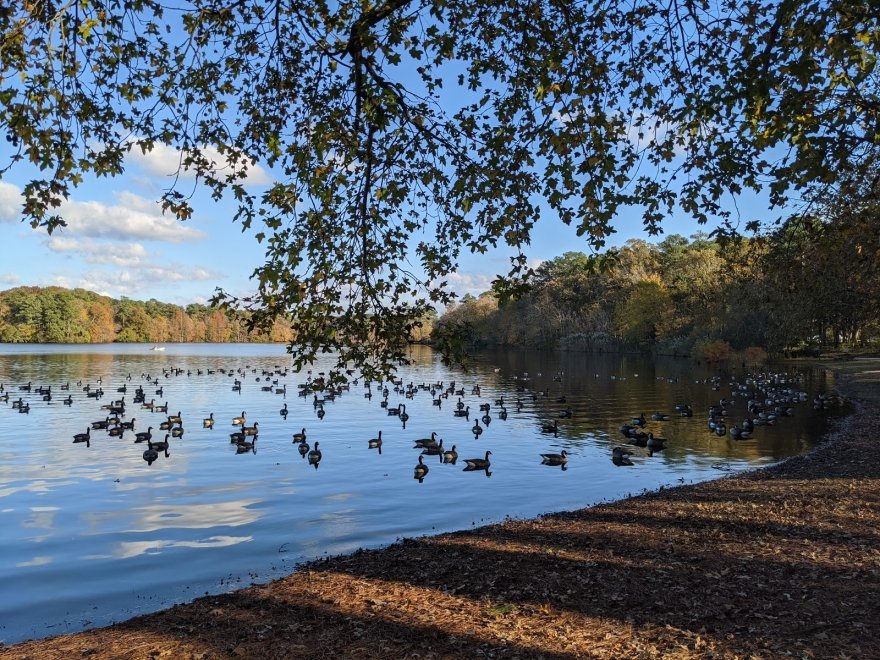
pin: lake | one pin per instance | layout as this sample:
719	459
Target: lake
92	535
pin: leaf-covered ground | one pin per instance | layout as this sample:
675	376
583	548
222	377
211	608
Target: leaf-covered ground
783	562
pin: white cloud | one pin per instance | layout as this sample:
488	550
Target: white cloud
10	202
177	274
472	284
9	279
114	254
166	161
132	217
132	282
647	130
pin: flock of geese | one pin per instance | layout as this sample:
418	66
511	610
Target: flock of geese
769	397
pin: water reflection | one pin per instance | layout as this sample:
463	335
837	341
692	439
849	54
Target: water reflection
170	513
36	561
130	549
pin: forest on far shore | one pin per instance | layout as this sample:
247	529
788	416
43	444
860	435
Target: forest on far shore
800	290
680	296
58	315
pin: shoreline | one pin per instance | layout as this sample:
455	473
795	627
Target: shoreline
774	561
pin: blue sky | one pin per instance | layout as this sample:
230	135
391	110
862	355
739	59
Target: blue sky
118	242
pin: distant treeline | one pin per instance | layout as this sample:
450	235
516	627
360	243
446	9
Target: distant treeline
795	290
691	297
58	315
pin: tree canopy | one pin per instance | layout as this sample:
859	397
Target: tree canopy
404	132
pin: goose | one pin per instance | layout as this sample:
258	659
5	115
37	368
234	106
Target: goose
660	417
236	436
245	446
450	456
101	423
177	432
67	402
239	421
175	419
375	443
144	436
655	443
420	470
403	414
321	412
116	432
251	430
159	445
128	425
436	450
476	429
565	414
83	437
149	406
163	408
427	442
303	448
502	414
550	428
638	421
208	422
462	413
486	419
283	411
167	424
300	437
478	463
484	407
315	456
621	452
555	459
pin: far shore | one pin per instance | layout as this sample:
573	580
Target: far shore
778	562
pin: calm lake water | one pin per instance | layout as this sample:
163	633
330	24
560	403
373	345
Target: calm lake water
92	535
